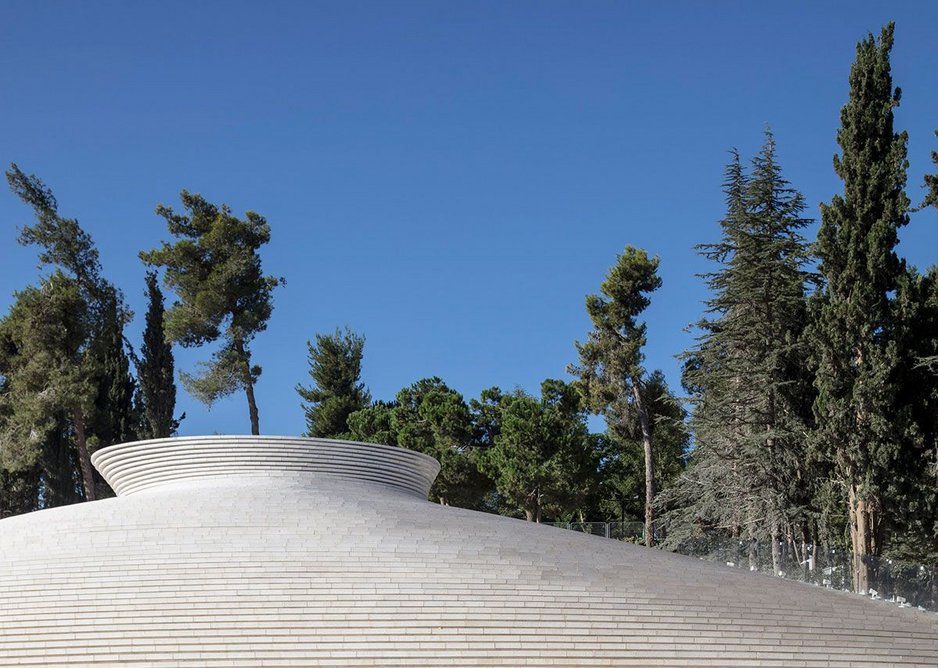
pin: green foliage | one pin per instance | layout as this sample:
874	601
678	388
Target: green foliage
47	371
19	491
335	363
62	241
611	358
59	478
610	371
931	184
70	363
155	369
215	270
542	459
746	376
621	474
372	424
854	337
114	417
431	418
912	499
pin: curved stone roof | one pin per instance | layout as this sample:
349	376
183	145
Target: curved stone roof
262	551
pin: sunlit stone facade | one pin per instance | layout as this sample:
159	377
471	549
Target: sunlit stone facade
266	551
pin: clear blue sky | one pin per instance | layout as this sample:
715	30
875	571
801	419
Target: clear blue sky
448	178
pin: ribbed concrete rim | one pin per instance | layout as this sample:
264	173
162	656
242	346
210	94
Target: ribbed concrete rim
139	465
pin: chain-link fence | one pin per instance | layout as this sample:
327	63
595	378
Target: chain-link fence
906	584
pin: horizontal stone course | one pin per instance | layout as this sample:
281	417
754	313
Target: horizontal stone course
243	551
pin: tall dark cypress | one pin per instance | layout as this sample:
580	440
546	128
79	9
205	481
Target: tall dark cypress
854	336
114	418
155	370
58	467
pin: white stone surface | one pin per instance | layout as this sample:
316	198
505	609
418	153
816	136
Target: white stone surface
265	551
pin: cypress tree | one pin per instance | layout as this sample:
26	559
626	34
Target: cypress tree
335	364
155	369
931	184
115	417
854	335
58	466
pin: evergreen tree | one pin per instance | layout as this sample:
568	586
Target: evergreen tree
931	184
372	424
58	483
215	270
746	375
114	419
855	334
56	326
19	489
610	369
155	368
335	363
621	475
542	459
48	375
912	499
19	492
432	418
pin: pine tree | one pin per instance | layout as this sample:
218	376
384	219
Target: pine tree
48	375
610	368
335	363
215	270
432	418
854	336
746	375
57	326
155	368
542	460
621	475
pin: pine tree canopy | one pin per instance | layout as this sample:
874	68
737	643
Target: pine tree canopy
215	271
335	362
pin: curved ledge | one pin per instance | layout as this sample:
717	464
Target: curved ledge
139	465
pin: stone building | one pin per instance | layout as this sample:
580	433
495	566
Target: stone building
267	551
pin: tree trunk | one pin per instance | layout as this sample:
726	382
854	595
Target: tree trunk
252	408
649	463
776	550
249	386
859	540
532	513
753	556
84	459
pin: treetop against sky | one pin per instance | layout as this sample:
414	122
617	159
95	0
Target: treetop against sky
449	179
